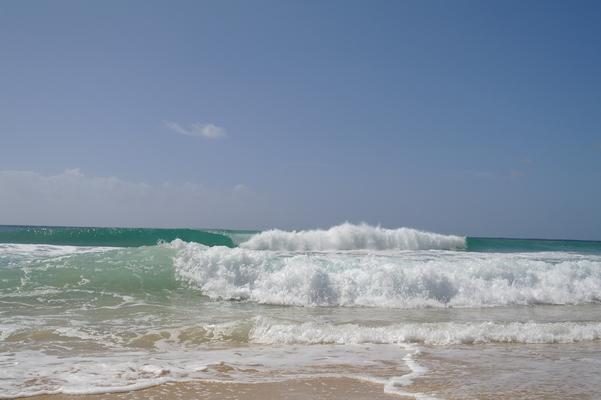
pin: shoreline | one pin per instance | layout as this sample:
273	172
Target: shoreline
310	388
484	372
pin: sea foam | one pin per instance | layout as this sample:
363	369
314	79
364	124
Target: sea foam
271	331
390	279
46	250
352	237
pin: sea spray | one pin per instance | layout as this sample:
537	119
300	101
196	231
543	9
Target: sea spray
353	237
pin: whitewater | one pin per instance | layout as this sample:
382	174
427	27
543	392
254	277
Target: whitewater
394	307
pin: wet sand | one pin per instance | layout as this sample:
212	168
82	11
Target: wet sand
511	371
461	372
323	388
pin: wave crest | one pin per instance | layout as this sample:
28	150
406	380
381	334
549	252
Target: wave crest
389	279
353	237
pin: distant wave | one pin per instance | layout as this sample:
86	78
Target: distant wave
353	237
390	279
112	237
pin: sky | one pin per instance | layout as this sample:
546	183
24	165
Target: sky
479	118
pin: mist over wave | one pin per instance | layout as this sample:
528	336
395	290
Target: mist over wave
353	237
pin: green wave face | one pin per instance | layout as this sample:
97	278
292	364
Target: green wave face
530	245
109	237
126	270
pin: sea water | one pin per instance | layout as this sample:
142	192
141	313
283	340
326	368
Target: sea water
425	315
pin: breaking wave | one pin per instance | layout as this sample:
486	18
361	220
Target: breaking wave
353	237
390	279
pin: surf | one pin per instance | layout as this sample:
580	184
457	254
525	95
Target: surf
353	237
175	305
408	279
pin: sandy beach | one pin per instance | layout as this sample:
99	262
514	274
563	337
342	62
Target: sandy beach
489	372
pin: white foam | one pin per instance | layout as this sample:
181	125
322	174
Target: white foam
403	279
270	331
46	250
395	384
127	370
352	237
277	350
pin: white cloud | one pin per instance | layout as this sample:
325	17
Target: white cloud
207	131
73	198
240	188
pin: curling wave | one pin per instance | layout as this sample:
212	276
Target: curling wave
353	237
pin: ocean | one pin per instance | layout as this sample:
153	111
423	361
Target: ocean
406	313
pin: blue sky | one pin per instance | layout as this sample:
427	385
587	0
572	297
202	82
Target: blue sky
468	117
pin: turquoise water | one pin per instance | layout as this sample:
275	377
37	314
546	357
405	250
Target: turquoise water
524	245
134	237
115	237
165	305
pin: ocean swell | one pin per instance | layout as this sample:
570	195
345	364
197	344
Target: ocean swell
108	237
